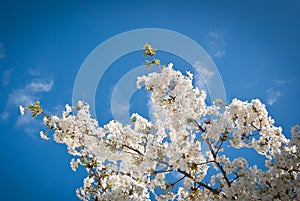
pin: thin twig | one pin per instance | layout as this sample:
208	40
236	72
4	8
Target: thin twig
218	164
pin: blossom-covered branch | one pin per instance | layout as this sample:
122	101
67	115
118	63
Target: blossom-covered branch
165	157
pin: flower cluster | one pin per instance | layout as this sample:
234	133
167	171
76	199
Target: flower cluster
128	162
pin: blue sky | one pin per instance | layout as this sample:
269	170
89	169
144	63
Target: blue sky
254	44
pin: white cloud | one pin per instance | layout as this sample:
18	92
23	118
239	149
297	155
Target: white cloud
28	124
24	120
20	96
34	72
38	70
120	111
58	108
25	96
281	82
6	75
275	92
205	72
216	44
39	86
29	93
152	109
273	95
205	75
214	35
2	51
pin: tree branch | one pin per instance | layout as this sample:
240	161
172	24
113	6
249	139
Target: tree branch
135	150
198	126
173	184
218	164
215	191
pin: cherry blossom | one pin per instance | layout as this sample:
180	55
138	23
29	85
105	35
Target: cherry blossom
166	158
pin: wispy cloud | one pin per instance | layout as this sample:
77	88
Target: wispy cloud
2	51
29	93
275	91
6	75
38	71
152	108
280	82
204	71
34	72
121	112
273	95
205	74
216	44
28	124
25	96
39	86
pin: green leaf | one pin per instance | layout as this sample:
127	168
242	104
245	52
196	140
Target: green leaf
149	51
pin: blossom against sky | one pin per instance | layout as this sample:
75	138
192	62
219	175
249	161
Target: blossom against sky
255	46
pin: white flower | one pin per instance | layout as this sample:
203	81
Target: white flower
68	108
80	104
74	164
189	74
22	110
44	136
129	159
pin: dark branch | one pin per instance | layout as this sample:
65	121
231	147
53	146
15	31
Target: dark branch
218	164
215	191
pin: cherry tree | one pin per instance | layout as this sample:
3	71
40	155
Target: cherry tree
128	162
